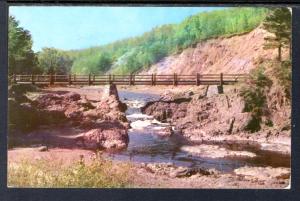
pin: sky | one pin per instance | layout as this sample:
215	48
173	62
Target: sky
82	27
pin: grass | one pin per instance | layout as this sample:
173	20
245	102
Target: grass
100	173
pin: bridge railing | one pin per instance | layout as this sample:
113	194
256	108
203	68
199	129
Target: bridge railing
132	79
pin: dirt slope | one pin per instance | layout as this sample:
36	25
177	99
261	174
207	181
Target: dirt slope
236	54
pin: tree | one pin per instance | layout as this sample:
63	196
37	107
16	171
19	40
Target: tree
53	61
104	62
21	58
95	63
254	95
278	22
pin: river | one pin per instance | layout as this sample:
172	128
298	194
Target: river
147	145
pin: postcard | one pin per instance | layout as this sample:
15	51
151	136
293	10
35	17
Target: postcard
149	97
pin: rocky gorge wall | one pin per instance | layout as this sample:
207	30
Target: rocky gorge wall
216	117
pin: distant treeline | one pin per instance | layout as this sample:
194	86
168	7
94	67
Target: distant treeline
138	53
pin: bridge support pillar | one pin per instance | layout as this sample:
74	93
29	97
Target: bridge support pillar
220	89
109	90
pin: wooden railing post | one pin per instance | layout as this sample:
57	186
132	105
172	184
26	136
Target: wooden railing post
70	79
109	78
94	78
32	79
221	79
90	80
15	78
130	79
51	79
152	79
220	88
74	78
198	79
174	79
133	79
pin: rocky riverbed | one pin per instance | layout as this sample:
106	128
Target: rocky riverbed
90	123
171	145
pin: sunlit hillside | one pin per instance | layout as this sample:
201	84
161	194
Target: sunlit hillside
139	53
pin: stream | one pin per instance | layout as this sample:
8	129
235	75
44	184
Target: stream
146	145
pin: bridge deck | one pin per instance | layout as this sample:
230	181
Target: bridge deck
174	79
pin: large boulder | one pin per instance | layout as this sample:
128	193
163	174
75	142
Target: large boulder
112	103
108	135
49	100
163	111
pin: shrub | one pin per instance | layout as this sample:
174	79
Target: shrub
254	95
99	173
283	73
21	89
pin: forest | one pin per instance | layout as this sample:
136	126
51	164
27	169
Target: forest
129	55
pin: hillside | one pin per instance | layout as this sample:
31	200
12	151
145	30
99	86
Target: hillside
236	54
136	54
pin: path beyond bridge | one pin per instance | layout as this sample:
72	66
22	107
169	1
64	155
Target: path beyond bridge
153	79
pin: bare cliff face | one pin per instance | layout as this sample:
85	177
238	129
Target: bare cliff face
235	54
217	117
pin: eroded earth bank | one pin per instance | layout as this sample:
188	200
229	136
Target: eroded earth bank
179	137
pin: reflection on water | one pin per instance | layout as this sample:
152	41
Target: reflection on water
146	146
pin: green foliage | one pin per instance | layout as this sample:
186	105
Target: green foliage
53	61
21	58
283	72
269	123
99	173
254	124
95	64
138	53
254	95
279	23
132	54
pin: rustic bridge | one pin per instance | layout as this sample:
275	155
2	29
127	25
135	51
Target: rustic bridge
132	79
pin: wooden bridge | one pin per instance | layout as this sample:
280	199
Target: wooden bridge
153	79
